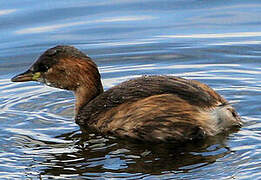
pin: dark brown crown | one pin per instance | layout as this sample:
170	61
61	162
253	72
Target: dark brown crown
52	56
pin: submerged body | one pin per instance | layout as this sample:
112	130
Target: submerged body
150	108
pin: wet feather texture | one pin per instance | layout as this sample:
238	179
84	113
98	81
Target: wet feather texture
150	108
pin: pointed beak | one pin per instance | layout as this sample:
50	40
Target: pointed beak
26	76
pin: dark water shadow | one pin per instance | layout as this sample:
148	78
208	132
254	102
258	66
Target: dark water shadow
97	155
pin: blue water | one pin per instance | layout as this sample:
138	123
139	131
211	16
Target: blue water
215	42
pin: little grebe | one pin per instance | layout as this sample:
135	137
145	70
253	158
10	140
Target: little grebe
148	108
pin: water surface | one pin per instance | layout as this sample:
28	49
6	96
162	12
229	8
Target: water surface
215	42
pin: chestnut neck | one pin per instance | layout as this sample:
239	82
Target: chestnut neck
84	94
81	76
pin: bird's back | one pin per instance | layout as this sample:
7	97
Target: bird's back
154	108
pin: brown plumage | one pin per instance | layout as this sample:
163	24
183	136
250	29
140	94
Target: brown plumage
150	108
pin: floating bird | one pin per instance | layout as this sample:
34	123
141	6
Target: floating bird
148	108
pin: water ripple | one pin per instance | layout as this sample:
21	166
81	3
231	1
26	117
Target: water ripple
216	43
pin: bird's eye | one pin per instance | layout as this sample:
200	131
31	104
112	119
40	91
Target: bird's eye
42	67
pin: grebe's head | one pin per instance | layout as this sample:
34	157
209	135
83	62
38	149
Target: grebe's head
63	67
66	67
